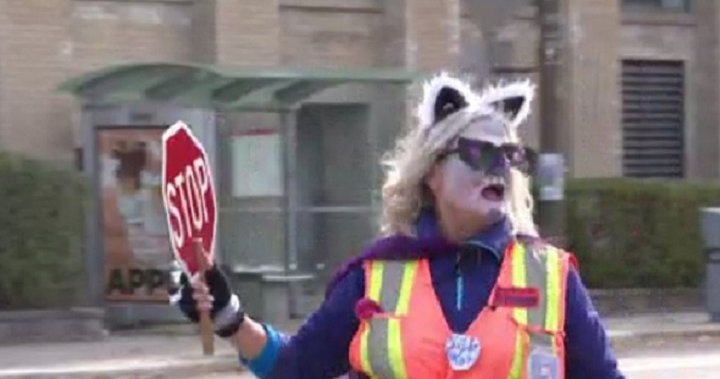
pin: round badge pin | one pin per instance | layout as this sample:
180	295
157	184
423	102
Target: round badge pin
462	351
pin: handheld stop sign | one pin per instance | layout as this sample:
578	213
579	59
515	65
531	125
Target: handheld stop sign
190	206
189	195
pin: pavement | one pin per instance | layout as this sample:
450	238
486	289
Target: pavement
691	358
654	329
174	351
687	360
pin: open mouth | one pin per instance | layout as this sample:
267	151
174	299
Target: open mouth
494	191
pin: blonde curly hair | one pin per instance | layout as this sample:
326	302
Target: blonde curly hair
404	193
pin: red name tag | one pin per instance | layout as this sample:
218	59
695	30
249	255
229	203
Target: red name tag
528	297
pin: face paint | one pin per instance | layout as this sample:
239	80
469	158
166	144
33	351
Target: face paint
468	190
476	170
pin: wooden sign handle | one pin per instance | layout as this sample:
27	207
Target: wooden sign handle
206	324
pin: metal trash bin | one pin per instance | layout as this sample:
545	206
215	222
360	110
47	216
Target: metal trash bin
247	284
710	226
280	296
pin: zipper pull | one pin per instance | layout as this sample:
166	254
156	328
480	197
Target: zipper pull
459	284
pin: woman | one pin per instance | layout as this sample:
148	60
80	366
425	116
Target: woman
458	286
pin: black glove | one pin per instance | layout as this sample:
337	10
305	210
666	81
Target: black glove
227	311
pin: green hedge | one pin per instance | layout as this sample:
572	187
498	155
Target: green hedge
638	233
41	233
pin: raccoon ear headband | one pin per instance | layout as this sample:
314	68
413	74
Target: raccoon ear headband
513	100
444	95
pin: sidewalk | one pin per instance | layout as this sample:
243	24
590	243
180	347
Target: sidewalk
652	329
176	351
119	356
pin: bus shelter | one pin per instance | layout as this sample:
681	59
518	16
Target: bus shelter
295	156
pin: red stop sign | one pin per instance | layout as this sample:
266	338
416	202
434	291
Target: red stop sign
188	194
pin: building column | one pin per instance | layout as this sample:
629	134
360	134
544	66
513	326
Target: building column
703	144
589	88
423	36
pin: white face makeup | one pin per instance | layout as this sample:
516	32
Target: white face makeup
472	191
483	193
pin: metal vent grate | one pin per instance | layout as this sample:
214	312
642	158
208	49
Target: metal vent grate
653	118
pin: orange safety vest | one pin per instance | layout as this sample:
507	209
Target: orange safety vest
520	332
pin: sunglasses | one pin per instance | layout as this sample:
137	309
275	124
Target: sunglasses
485	156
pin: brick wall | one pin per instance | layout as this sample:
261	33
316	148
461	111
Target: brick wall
34	49
330	36
107	32
43	43
247	32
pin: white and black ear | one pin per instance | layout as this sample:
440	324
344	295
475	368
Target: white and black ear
513	100
448	101
442	96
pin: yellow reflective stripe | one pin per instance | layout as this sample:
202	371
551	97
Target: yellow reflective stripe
519	278
395	349
518	363
376	277
395	345
365	352
376	282
552	292
387	330
406	288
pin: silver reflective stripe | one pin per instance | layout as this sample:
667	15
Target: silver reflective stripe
378	337
392	282
537	278
378	350
536	265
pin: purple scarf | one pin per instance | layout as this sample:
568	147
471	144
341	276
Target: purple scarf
396	247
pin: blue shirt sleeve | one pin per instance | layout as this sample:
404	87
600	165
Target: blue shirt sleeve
589	354
327	333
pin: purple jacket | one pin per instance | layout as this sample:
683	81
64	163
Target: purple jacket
463	277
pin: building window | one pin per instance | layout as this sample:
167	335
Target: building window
653	118
670	5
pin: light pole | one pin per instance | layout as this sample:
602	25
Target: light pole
551	168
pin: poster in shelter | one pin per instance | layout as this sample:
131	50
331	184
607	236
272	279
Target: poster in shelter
136	244
256	163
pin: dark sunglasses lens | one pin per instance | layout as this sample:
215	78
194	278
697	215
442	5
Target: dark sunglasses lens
514	154
518	157
478	155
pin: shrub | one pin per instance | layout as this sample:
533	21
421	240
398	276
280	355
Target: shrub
638	233
41	233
